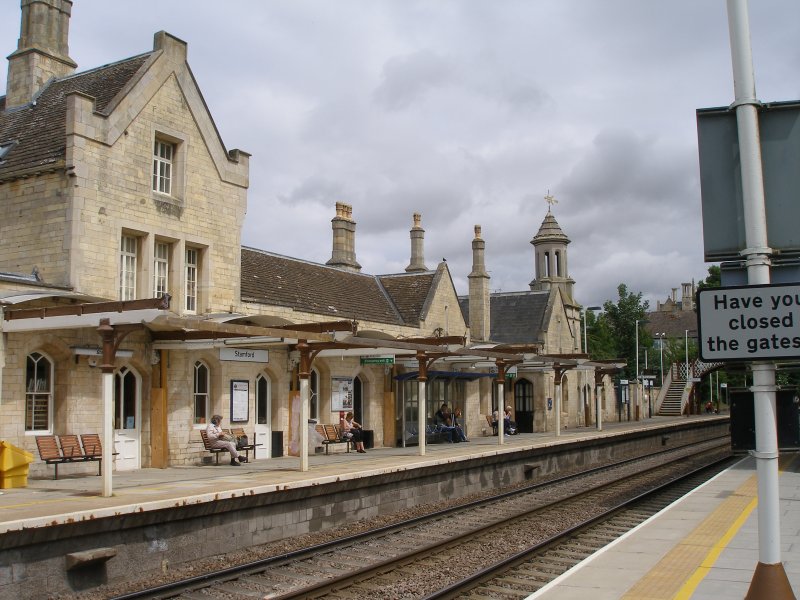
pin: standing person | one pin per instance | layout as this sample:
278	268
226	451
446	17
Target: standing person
352	430
218	439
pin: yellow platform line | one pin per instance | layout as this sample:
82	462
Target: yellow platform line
677	575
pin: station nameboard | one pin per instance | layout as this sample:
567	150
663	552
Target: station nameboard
244	355
758	322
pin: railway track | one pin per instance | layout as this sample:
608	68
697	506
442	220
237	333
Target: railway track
448	553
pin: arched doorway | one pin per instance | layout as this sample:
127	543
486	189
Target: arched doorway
263	426
358	401
523	405
313	394
127	417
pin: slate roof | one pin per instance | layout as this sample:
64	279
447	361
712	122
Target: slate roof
276	280
515	317
409	291
39	128
674	323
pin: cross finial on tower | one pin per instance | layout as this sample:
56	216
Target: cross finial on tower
550	200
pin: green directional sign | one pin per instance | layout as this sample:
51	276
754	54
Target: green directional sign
377	360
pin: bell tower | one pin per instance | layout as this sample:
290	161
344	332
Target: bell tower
550	255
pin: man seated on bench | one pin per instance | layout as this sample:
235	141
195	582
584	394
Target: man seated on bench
218	439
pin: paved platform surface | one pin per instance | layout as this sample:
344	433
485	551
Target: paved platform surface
74	498
703	547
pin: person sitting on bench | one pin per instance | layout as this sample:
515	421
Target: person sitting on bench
218	439
509	426
351	430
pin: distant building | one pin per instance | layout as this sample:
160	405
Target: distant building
674	317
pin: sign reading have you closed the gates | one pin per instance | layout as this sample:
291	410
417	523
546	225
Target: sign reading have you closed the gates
760	322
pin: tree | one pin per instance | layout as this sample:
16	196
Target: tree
714	279
600	344
621	318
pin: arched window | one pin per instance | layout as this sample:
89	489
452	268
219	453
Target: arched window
313	394
125	395
262	400
546	264
558	263
38	393
201	393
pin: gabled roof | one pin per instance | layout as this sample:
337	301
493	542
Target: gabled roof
409	292
38	129
516	317
304	286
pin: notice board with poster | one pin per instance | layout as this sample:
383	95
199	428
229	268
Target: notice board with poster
240	400
341	393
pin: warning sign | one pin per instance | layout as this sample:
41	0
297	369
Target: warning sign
760	322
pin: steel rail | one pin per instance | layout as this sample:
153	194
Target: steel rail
336	584
456	590
173	589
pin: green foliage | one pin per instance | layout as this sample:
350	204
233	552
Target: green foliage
601	344
612	334
714	279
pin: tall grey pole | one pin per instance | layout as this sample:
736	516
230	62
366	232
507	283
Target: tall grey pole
769	579
638	389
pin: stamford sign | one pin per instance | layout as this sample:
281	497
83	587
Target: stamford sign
244	355
760	322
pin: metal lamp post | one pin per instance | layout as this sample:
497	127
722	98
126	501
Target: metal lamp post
660	337
686	352
638	387
585	337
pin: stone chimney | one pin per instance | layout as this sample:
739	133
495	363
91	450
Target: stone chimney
42	51
687	296
417	263
344	239
479	300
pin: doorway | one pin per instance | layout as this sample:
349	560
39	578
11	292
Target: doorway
127	415
263	416
523	405
358	401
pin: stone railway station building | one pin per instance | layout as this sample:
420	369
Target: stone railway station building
121	202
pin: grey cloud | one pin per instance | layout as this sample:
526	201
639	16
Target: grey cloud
406	79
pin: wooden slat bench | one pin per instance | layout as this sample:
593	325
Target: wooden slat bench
233	433
56	450
239	431
492	424
331	435
207	444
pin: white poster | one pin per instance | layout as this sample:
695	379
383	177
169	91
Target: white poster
240	401
341	393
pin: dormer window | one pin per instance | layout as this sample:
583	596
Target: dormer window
4	149
163	153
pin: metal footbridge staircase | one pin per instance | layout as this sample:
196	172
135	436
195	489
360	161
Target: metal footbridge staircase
679	386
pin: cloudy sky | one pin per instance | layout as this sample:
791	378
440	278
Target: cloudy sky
467	111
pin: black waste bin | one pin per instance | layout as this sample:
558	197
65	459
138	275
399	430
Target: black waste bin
277	444
368	436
